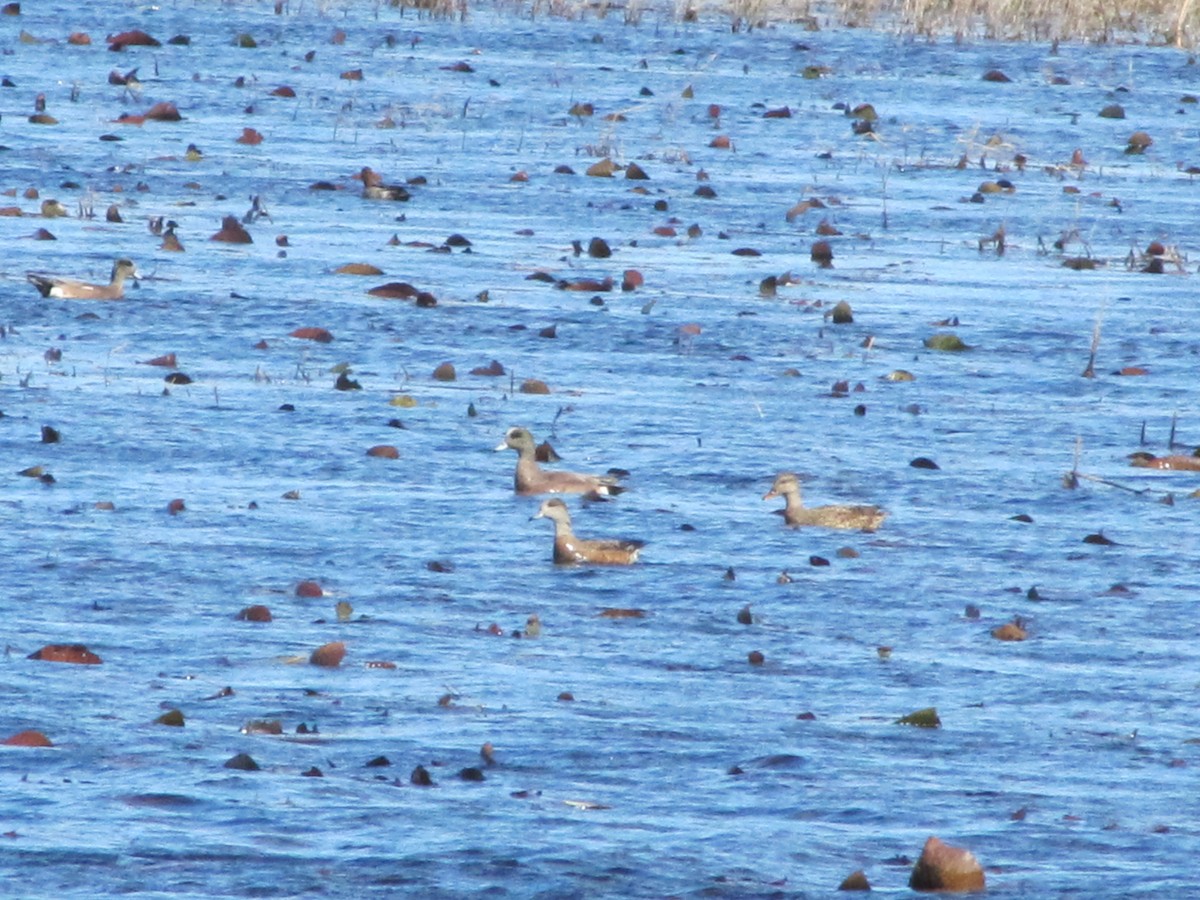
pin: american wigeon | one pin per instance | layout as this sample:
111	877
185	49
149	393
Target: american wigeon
530	478
375	189
170	241
69	289
570	549
860	518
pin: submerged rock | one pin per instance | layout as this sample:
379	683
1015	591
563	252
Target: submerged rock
855	881
67	653
27	738
328	655
946	868
242	762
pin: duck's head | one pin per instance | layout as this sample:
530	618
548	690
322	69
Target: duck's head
519	439
553	509
124	268
785	483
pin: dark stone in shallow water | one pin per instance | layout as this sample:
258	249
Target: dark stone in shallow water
242	762
855	881
420	777
159	800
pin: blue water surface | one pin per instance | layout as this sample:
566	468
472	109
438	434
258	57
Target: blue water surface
634	757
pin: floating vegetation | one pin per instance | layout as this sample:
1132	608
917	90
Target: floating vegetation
922	718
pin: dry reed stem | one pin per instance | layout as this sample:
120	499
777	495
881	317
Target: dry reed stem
1170	22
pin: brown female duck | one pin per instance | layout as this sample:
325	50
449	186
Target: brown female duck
861	518
530	478
69	289
570	549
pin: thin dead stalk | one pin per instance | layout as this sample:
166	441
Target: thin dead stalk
1090	370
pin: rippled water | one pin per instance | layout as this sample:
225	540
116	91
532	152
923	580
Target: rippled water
1087	727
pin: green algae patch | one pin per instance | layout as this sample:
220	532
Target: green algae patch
922	718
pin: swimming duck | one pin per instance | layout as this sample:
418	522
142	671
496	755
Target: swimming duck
69	289
570	549
530	478
375	189
170	241
861	518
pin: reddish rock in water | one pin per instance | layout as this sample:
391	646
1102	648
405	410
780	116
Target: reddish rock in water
394	290
163	112
67	653
232	232
945	868
492	370
320	335
1010	631
384	451
822	254
255	613
309	589
29	738
135	38
329	655
855	881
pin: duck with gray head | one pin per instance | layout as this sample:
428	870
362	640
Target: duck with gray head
570	549
70	289
530	478
796	514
